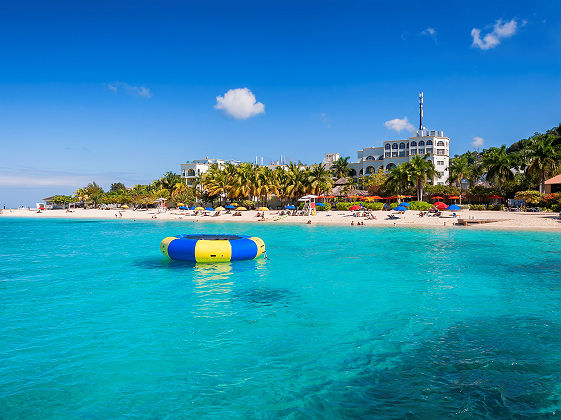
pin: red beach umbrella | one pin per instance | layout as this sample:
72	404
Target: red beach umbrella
353	208
437	197
440	205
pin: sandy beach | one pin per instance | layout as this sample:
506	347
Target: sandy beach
505	220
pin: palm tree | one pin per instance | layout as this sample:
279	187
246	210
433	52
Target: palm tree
542	157
397	180
319	179
341	167
499	165
459	169
420	170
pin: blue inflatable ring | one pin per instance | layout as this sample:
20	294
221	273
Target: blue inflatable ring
212	248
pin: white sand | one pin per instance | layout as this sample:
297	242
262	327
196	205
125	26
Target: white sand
518	221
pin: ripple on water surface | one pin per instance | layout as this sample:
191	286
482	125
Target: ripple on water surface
339	322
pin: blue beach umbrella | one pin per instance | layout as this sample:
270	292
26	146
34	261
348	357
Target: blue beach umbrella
229	206
192	208
209	209
183	208
290	207
405	204
400	208
320	204
454	207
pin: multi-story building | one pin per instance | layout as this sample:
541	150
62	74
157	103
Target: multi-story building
191	170
395	152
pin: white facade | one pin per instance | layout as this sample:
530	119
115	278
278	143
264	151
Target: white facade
191	170
395	152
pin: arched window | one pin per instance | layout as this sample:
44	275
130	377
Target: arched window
381	157
369	170
429	142
390	166
388	147
394	146
413	144
421	143
370	158
191	172
402	145
352	172
440	143
381	168
360	173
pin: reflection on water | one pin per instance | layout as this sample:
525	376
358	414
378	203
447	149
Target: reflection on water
213	285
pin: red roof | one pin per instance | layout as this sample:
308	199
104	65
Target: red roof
554	180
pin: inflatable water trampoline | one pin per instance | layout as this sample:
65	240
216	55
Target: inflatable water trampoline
212	248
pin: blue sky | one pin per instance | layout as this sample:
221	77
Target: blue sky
126	90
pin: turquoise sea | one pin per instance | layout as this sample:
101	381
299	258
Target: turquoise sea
338	322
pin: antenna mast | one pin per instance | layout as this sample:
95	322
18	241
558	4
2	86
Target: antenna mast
420	110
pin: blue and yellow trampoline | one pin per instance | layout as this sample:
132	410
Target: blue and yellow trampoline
212	248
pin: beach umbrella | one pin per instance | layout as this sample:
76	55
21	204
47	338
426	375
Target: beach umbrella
405	204
400	208
437	197
262	209
453	197
198	208
180	204
495	196
320	204
209	209
241	209
440	205
454	207
192	208
235	204
183	208
124	206
219	208
376	197
229	206
290	207
355	207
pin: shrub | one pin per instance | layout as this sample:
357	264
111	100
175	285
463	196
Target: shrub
420	205
393	205
343	206
495	207
248	204
477	207
326	207
374	206
530	196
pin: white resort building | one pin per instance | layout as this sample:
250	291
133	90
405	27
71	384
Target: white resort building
370	159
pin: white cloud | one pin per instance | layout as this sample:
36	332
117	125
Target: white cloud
141	91
430	32
398	125
239	104
478	141
500	31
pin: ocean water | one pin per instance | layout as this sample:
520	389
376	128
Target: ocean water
338	322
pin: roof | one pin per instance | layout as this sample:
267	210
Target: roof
554	180
341	181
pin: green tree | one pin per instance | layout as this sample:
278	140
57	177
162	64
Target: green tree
117	187
341	167
498	165
542	157
420	170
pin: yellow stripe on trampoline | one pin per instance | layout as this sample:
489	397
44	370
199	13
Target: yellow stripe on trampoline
260	245
165	244
213	251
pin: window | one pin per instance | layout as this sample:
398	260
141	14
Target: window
390	166
402	145
388	154
388	146
421	151
394	154
439	151
401	153
429	142
413	152
413	144
440	162
370	158
429	149
191	172
421	143
381	157
440	143
394	146
369	170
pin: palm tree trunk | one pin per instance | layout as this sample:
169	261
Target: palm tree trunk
542	182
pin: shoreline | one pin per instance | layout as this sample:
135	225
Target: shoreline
505	220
